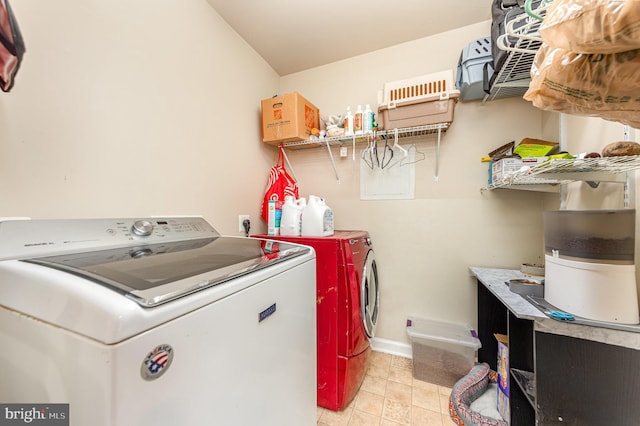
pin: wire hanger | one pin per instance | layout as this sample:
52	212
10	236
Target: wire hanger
405	159
520	39
395	145
387	154
373	157
422	155
515	40
368	155
528	7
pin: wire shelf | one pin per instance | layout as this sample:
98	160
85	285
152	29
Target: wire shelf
405	132
614	165
558	171
412	132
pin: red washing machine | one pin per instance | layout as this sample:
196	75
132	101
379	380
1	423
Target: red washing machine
347	311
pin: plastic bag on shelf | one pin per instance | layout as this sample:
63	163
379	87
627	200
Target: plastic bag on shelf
592	26
587	84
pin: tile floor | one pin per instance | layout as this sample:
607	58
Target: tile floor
390	396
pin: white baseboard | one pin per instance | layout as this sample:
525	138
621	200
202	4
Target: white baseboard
391	347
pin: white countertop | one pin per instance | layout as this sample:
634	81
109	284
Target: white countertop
494	280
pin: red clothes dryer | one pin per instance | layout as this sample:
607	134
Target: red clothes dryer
347	311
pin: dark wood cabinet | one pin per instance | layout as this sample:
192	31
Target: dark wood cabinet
581	382
492	318
557	378
495	318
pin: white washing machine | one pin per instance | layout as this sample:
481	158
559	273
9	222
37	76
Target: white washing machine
156	321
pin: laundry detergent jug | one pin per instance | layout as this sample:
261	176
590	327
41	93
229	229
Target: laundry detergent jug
290	223
317	218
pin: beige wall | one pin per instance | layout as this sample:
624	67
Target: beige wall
132	109
586	134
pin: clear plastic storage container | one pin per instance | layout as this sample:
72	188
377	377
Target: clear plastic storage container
442	352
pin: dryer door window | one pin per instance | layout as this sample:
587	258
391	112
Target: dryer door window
369	294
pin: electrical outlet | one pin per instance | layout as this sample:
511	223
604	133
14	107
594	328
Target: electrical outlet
242	218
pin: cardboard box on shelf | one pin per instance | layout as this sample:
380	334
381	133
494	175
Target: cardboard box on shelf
289	117
504	167
503	376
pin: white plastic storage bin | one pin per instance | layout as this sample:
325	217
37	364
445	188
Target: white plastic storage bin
470	69
442	352
418	101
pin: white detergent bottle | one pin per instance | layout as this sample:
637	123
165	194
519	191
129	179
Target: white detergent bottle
348	123
290	221
317	218
301	203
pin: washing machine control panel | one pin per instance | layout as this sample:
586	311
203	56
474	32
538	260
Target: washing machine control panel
142	228
20	239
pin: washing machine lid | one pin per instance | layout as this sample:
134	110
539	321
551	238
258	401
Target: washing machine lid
111	279
153	274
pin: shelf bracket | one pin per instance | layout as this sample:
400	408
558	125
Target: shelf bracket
629	134
562	130
333	163
436	178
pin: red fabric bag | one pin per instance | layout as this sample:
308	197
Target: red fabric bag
280	185
11	46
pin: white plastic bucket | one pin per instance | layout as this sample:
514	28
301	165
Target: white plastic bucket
598	291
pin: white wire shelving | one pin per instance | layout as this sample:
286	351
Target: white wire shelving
552	173
387	134
406	132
